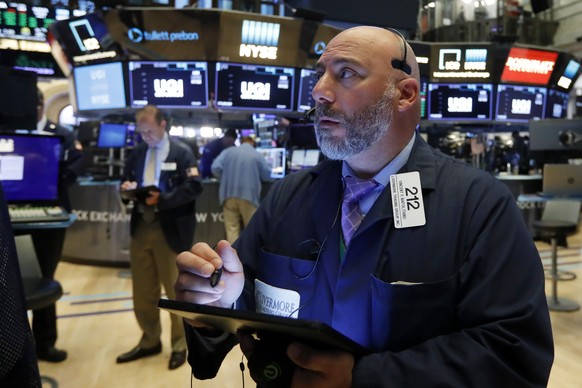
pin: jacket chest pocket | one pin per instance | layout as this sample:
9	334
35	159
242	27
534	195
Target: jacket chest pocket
400	311
284	284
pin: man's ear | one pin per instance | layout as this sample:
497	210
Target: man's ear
409	94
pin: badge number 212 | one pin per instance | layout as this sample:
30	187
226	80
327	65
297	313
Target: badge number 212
407	203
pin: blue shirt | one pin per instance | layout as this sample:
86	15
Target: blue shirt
240	170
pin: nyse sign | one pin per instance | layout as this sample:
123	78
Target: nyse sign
259	39
254	51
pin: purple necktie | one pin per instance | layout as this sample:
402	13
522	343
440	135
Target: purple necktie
355	190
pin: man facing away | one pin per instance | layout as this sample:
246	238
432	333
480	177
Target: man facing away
422	259
241	171
213	149
161	225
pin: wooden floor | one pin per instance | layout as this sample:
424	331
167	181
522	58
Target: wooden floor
96	324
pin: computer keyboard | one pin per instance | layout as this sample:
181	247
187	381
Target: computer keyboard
37	214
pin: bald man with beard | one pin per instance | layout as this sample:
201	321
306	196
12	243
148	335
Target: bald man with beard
437	276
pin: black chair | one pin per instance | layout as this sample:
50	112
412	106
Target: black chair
18	363
39	292
559	220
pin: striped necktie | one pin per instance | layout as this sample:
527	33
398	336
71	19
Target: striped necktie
355	190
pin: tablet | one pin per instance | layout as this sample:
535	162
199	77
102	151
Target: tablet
138	194
314	333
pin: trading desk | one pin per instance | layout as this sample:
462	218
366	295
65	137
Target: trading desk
28	227
100	236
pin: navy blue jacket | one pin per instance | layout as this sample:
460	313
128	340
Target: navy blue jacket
179	190
458	302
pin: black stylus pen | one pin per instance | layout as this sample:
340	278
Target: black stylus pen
215	277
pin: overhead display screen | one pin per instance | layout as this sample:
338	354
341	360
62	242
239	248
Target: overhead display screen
307	81
99	87
520	102
168	84
565	73
461	63
529	66
84	40
557	104
22	21
254	87
460	101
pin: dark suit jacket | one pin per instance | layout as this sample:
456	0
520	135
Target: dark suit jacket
457	302
179	190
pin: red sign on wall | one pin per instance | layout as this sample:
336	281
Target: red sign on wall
529	66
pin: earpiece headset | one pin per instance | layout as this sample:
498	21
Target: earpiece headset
400	63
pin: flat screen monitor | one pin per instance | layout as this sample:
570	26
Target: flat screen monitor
276	159
520	102
29	168
100	87
307	81
85	39
557	104
460	101
254	87
304	158
529	66
568	77
168	84
112	135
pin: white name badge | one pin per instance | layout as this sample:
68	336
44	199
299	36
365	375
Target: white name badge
407	203
276	301
170	166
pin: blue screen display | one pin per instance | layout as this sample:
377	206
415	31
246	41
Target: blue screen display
100	87
29	167
112	135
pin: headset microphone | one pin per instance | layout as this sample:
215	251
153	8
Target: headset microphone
308	116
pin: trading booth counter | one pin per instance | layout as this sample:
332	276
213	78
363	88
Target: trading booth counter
101	233
100	236
521	185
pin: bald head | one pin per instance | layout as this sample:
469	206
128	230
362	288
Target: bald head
380	43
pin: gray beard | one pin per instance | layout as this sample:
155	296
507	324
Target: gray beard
363	129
